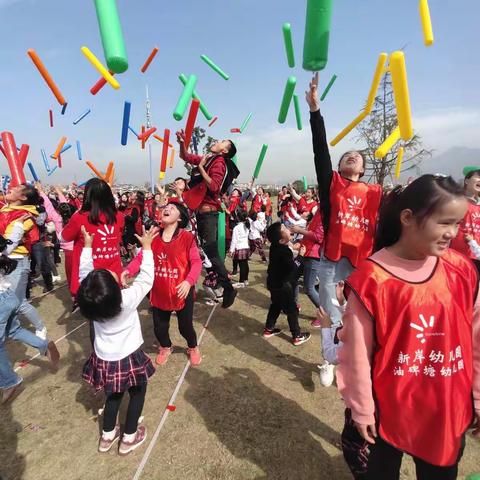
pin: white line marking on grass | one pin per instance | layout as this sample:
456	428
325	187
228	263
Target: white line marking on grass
24	363
171	402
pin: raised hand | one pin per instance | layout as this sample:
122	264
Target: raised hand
148	237
311	95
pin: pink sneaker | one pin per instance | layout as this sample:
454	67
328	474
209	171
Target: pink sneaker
195	357
127	447
316	323
163	354
104	445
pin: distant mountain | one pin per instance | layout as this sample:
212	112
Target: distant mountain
452	161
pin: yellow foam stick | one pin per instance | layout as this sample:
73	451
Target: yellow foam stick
101	69
377	78
161	176
426	22
387	145
398	72
398	167
349	128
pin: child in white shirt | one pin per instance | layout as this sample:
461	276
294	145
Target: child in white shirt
240	248
258	224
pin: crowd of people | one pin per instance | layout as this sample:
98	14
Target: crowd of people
393	277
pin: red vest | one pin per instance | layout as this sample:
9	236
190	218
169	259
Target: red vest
422	367
171	268
304	206
30	237
257	203
353	218
470	225
310	244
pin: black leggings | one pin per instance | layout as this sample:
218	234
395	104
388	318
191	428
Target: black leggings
135	407
244	270
161	323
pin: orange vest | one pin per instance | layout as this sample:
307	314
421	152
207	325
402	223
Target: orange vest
470	225
422	367
353	218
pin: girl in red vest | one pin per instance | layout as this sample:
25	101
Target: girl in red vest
410	360
177	268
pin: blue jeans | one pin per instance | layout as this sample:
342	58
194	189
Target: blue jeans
10	327
19	280
328	274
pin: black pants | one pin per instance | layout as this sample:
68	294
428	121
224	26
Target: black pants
135	407
244	270
207	225
39	257
283	300
385	461
161	324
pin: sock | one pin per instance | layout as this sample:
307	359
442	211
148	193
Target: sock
129	437
108	435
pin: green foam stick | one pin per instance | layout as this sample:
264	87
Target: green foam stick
112	36
329	86
298	113
287	38
287	99
317	34
473	476
214	67
235	159
305	184
260	160
185	97
221	235
468	170
183	78
246	122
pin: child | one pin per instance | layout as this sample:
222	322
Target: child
410	360
177	268
255	236
118	363
282	279
240	248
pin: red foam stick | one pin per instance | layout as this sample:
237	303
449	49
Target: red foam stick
22	154
3	151
51	117
145	134
192	117
59	160
143	140
166	139
172	408
235	130
99	85
16	170
148	61
214	119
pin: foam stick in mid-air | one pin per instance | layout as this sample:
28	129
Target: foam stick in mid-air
398	167
426	20
260	160
50	113
172	158
64	108
298	113
398	72
11	153
305	183
140	136
287	38
94	170
125	122
192	118
287	99
82	116
22	154
133	131
100	84
65	148
387	145
246	122
214	67
184	99
317	34
166	139
33	172
45	160
148	61
101	69
59	161
144	135
46	76
52	170
108	173
112	36
235	130
214	119
183	78
60	145
327	89
79	150
160	139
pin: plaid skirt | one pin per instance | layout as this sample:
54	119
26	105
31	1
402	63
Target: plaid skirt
242	254
118	376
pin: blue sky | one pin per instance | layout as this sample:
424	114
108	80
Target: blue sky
245	38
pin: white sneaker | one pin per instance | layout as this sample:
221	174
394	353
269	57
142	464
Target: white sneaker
56	279
41	333
238	285
245	283
326	374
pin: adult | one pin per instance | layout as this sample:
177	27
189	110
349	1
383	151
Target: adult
211	178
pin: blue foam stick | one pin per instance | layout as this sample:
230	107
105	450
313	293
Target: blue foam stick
54	168
79	150
64	107
33	172
133	131
126	120
6	181
65	148
82	116
45	160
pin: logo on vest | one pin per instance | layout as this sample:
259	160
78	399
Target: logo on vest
354	203
423	329
476	216
162	257
104	234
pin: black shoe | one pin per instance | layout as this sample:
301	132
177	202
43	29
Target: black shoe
267	333
48	288
229	294
302	338
75	307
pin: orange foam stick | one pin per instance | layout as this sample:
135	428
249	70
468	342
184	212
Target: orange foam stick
112	177
160	139
46	76
166	136
108	174
143	140
148	61
192	117
22	154
94	170
172	158
60	145
145	134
